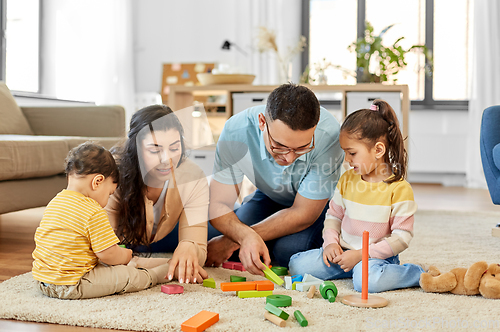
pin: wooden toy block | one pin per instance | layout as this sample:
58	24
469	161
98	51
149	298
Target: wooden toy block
297	278
228	265
276	311
238	266
274	319
122	245
200	322
328	290
210	282
172	289
279	270
237	279
238	286
304	286
310	293
310	278
272	276
263	285
254	293
279	300
288	282
294	284
300	318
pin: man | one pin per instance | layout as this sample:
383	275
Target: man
289	149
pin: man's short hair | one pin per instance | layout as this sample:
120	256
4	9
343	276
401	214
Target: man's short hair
295	105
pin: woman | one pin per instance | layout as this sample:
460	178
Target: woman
162	198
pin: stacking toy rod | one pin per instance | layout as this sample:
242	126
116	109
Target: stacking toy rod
364	300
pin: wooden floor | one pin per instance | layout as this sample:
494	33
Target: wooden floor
17	230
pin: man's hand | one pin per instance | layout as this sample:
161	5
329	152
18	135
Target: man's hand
348	259
252	248
219	250
330	252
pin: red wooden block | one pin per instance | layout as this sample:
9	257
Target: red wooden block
228	265
200	322
238	266
172	289
238	286
263	285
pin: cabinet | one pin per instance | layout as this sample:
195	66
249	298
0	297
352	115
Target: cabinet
185	96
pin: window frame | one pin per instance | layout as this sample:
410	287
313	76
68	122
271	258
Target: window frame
3	47
428	103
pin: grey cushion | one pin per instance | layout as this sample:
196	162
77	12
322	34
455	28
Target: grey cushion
12	120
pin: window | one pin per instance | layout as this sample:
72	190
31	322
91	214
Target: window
444	26
20	44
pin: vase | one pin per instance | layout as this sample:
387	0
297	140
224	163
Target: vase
284	71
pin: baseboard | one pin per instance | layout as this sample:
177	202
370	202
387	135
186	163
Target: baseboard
495	231
446	179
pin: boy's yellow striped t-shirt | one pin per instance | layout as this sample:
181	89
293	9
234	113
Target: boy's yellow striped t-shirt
72	229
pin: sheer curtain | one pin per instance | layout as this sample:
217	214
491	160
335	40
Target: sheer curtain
281	16
89	51
485	85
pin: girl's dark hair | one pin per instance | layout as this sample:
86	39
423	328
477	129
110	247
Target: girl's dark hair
132	210
91	158
372	126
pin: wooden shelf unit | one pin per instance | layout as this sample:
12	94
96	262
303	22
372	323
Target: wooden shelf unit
184	96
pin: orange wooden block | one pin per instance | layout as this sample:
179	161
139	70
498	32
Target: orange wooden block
238	286
200	322
263	285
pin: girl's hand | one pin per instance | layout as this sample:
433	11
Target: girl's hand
348	259
330	252
184	264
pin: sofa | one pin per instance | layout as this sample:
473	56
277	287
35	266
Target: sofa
34	142
490	150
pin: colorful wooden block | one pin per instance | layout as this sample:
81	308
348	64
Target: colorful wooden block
312	290
122	245
238	286
304	286
276	311
297	278
279	270
272	276
274	319
254	293
263	285
238	266
294	285
172	289
310	278
279	300
228	265
210	282
288	282
237	279
200	322
300	318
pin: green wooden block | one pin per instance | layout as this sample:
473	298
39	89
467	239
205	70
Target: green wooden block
210	282
254	293
272	276
276	311
237	279
122	245
294	285
280	270
300	318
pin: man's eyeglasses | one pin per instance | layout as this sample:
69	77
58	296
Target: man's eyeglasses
286	150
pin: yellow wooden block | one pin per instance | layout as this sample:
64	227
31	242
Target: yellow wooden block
254	293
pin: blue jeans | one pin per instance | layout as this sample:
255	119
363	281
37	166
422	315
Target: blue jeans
383	274
167	244
258	208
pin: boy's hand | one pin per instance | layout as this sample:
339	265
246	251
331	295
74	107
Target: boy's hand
330	252
348	259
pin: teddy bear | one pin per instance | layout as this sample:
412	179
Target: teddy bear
479	278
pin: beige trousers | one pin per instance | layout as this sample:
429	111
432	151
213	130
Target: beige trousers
107	280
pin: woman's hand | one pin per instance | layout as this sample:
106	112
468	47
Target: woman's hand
184	264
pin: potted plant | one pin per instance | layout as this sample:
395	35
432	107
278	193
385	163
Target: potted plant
389	59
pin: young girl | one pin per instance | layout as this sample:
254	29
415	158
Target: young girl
372	196
75	234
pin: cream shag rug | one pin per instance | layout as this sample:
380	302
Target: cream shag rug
445	239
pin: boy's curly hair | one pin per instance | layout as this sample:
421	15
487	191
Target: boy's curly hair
91	158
